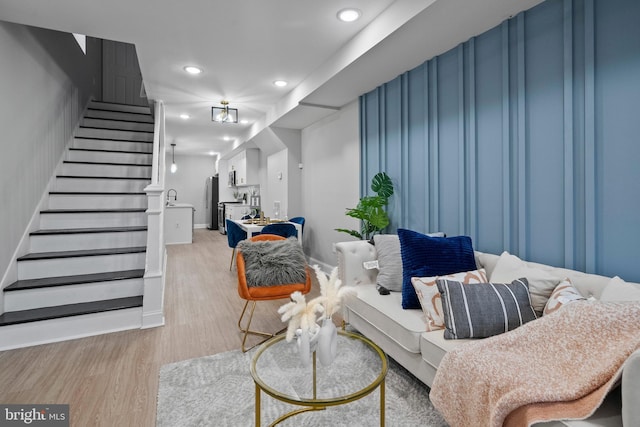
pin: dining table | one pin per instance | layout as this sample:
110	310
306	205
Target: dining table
252	227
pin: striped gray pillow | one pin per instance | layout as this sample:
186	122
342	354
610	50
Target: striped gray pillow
480	310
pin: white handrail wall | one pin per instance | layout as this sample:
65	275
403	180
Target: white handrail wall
154	275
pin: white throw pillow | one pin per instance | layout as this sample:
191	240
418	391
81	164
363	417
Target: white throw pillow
541	283
620	291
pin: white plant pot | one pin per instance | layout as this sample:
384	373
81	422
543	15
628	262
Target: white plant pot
327	342
306	342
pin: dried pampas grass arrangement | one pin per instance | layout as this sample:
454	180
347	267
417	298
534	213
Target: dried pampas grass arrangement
304	315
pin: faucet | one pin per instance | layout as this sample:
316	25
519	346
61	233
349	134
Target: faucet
175	195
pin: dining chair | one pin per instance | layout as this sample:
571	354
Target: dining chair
252	293
284	230
298	220
235	235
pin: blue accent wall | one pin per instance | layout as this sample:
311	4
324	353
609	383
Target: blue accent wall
526	138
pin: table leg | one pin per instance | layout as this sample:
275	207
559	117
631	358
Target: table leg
314	376
257	406
382	403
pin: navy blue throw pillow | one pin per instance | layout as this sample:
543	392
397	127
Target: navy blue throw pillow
425	256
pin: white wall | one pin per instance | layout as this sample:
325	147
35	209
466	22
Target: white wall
190	182
330	181
45	82
278	189
292	140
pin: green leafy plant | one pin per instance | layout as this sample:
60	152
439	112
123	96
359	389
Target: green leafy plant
371	209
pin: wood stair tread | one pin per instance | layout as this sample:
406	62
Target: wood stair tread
48	282
91	114
103	177
118	130
107	163
111	119
46	232
111	139
60	311
81	253
101	150
94	104
119	210
99	193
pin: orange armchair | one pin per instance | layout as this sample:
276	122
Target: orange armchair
263	293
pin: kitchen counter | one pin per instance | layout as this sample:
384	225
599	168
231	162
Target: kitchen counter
178	223
179	205
236	210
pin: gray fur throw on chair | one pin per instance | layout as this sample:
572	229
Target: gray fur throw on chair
273	262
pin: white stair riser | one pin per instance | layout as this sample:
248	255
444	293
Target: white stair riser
88	220
117	115
117	124
114	134
120	107
80	169
80	241
96	184
99	144
55	267
109	157
72	201
72	294
67	328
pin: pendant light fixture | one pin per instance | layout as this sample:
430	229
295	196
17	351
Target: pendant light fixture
174	167
224	114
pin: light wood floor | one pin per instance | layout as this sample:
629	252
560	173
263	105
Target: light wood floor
112	380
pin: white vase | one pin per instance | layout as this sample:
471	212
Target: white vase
327	342
306	342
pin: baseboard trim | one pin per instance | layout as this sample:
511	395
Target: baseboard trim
152	320
323	266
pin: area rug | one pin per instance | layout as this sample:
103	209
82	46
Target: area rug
218	391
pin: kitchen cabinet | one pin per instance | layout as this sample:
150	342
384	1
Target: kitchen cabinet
178	223
246	164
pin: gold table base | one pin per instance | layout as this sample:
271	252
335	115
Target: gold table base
320	405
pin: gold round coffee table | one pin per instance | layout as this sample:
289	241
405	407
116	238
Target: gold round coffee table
359	368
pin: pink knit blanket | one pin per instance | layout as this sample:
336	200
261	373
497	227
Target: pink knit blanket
558	367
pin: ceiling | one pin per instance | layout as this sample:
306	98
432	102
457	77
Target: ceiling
243	46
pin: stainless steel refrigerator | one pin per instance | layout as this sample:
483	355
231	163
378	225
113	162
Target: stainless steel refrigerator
212	202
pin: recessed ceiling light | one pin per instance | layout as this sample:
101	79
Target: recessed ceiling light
349	15
184	116
192	70
212	153
226	138
280	83
244	122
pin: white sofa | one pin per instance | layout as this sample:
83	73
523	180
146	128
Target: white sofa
401	333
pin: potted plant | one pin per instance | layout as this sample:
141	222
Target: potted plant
371	209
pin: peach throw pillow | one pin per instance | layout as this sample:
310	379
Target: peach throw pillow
563	294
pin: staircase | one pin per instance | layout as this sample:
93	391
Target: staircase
84	271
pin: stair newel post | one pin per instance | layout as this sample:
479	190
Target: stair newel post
154	277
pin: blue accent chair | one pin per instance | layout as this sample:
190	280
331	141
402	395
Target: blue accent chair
298	220
284	230
235	235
